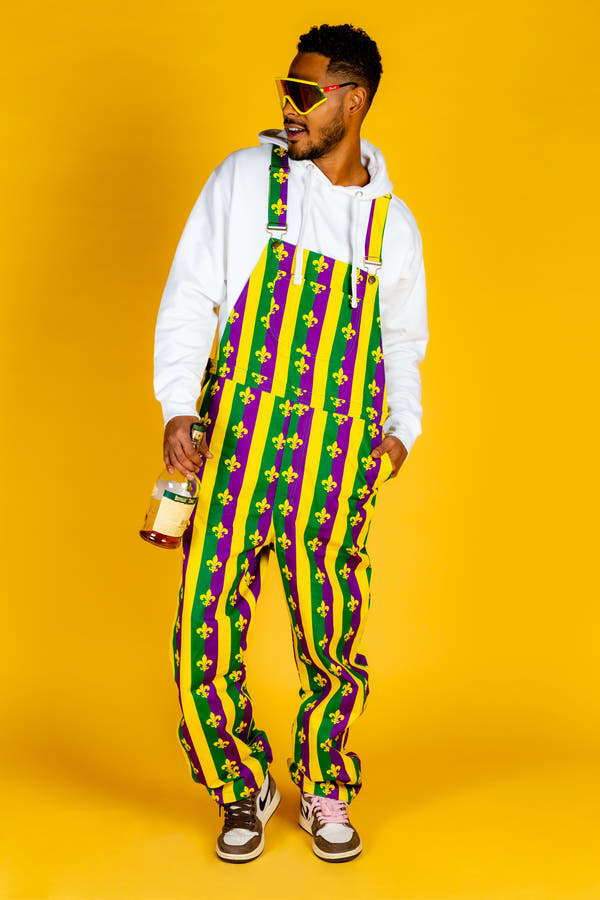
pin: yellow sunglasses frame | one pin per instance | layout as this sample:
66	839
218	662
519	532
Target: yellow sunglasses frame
323	90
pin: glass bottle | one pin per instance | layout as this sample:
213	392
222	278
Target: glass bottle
173	500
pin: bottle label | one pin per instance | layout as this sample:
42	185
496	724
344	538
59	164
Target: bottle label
169	515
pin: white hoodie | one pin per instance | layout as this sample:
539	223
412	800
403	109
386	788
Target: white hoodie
224	238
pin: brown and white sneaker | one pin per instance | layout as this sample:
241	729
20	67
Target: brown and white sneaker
242	837
334	838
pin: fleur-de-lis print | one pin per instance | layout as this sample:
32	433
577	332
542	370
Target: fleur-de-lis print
280	176
239	430
203	690
337	401
204	630
228	349
243	702
321	681
207	598
288	574
284	541
356	520
258	746
280	251
320	264
302	366
301	736
329	484
323	641
220	743
368	462
262	354
225	497
299	392
334	450
377	354
278	207
206	420
219	530
231	768
185	744
310	319
204	663
247	396
327	788
372	413
241	623
337	670
323	609
289	475
352	603
347	689
320	576
239	656
348	332
300	408
303	350
314	544
363	491
373	389
359	276
215	389
233	315
280	152
334	771
373	429
259	378
262	506
296	777
326	745
295	441
299	634
246	793
322	516
271	474
235	676
224	370
214	564
286	408
345	572
340	377
279	441
291	602
232	464
353	550
285	508
316	287
255	538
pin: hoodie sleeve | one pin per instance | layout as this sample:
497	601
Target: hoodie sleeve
188	313
404	339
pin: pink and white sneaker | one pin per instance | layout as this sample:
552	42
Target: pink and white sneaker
334	838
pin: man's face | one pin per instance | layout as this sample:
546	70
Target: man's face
316	133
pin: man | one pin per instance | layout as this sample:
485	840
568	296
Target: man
311	272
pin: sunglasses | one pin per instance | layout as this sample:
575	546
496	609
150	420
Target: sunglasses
305	96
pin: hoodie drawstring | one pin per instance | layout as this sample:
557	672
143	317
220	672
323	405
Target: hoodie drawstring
356	249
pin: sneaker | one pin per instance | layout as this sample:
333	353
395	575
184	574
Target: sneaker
242	837
334	838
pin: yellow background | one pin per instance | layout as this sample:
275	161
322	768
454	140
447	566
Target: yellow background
482	735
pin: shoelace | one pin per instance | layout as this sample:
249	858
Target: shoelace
240	814
328	812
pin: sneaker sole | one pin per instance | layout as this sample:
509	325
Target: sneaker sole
246	857
322	854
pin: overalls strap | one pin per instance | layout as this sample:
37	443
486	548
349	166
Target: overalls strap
279	172
375	229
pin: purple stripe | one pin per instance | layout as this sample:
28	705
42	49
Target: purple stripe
369	227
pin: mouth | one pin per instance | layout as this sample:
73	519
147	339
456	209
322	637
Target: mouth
293	130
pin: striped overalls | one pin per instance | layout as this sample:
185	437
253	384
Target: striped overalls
293	409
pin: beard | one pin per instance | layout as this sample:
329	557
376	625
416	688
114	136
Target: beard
329	137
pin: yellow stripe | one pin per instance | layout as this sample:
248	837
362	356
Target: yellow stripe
328	333
377	227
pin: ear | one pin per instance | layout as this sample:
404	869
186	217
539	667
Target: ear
357	101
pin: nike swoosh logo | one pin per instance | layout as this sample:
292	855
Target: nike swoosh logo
262	803
305	810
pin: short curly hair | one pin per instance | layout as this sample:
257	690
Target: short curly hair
351	52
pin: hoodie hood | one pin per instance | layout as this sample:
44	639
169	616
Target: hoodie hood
379	184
